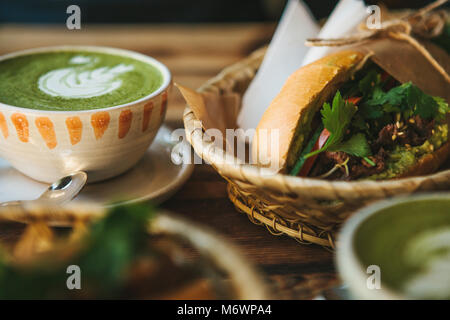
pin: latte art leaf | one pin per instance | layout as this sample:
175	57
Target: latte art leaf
430	253
80	82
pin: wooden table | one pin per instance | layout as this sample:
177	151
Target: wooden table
195	53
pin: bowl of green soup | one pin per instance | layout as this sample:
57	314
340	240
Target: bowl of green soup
71	108
398	249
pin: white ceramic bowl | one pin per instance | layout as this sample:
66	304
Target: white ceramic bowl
46	145
350	267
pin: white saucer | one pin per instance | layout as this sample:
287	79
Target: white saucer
154	178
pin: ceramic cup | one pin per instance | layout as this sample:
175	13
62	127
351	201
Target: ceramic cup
386	226
46	145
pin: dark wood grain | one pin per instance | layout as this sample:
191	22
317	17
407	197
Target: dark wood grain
195	53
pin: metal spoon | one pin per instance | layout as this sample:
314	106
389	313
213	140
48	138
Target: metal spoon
59	192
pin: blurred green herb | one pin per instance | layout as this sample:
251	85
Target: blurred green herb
109	248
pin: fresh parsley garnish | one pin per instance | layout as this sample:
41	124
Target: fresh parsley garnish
336	119
355	146
370	81
407	99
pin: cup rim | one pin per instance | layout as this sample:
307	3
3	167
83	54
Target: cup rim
167	76
346	258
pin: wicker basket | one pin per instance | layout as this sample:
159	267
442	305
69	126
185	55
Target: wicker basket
309	210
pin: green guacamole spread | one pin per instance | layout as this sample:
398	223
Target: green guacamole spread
402	158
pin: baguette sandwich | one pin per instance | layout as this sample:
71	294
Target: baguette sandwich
344	118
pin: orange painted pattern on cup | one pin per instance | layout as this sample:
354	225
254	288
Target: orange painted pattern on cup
21	123
163	103
148	108
47	131
125	123
75	129
4	126
100	122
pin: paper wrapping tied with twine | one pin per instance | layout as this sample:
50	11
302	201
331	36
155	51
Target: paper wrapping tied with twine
395	47
399	47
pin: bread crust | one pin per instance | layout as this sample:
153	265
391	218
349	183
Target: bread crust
304	93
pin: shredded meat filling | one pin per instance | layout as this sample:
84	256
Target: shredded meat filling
341	166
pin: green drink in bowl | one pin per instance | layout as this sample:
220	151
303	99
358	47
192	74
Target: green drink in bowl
398	249
79	108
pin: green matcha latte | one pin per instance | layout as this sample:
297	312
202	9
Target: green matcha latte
75	80
410	242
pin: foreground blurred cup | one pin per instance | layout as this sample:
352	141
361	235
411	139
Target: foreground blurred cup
398	249
46	145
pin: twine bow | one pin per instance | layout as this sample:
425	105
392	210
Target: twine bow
424	23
